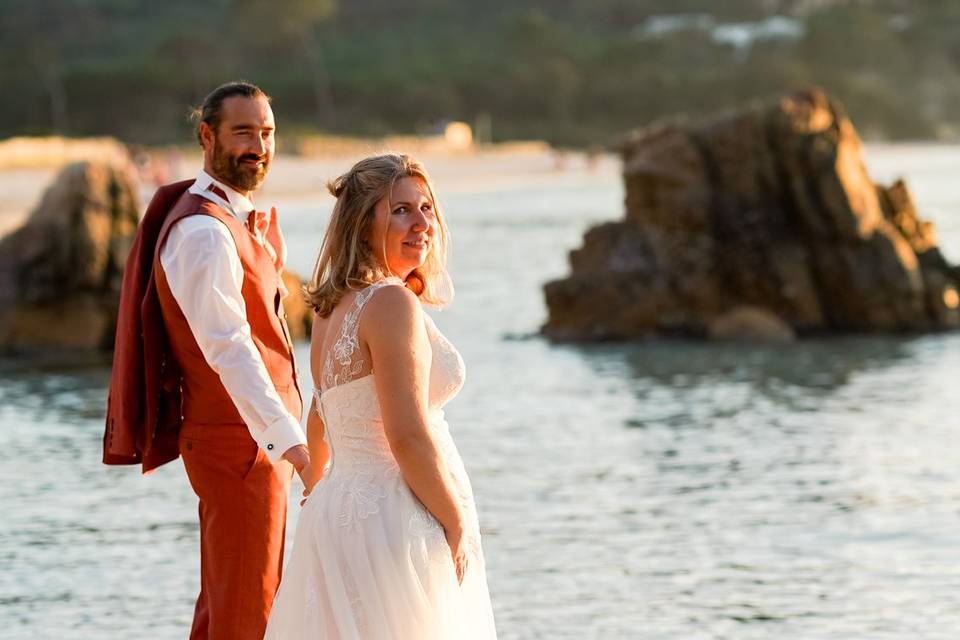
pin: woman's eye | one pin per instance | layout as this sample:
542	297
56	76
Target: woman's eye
400	210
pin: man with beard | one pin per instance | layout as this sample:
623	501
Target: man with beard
216	270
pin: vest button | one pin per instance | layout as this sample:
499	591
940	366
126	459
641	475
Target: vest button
269	447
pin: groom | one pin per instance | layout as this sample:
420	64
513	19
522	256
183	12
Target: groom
216	281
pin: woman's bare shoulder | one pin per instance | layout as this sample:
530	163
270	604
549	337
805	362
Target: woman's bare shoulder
392	308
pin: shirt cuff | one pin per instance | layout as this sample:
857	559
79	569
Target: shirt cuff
276	439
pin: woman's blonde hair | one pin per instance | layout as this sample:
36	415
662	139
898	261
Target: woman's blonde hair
347	262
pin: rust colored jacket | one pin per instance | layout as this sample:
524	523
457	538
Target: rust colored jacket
143	408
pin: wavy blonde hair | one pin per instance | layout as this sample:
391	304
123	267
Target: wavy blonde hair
347	262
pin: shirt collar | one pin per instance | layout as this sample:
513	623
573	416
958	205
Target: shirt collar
241	205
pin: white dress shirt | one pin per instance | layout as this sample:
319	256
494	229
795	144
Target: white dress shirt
203	269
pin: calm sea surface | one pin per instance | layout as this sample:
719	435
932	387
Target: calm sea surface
671	490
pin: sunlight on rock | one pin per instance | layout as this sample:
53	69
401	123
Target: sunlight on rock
951	299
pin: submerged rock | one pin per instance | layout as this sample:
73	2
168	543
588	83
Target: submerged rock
769	208
750	324
60	273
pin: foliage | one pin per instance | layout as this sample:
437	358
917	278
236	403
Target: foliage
575	72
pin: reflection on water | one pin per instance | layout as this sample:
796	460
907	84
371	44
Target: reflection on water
691	490
733	378
77	389
819	363
662	490
743	493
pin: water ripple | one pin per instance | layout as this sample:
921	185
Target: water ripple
657	491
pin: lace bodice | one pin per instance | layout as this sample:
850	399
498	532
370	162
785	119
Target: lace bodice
347	399
343	362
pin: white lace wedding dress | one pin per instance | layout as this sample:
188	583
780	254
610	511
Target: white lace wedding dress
369	562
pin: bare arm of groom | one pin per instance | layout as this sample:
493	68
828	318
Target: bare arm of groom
205	276
392	327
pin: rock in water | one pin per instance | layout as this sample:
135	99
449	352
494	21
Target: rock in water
768	208
298	312
60	274
750	324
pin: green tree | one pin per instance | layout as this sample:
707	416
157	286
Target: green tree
38	38
296	21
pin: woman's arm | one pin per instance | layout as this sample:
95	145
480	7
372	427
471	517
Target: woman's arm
319	452
316	445
393	328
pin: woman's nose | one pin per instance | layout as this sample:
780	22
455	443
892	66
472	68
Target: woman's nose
421	221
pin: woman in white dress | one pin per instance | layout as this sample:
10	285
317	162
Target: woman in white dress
388	541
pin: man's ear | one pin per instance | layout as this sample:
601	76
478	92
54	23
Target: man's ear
206	135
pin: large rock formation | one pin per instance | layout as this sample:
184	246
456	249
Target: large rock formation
768	209
60	273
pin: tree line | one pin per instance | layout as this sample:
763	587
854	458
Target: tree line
573	72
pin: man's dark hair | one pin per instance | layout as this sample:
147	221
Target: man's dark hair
212	108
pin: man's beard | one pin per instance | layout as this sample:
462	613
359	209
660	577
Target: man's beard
229	170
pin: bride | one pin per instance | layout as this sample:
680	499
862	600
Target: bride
388	542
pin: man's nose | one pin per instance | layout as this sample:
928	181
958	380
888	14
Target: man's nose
258	145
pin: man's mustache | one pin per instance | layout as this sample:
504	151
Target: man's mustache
253	157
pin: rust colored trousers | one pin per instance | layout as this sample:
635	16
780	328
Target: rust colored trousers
243	515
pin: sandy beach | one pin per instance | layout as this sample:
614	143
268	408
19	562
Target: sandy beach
299	179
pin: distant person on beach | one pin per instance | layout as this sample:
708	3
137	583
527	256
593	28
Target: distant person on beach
388	542
215	275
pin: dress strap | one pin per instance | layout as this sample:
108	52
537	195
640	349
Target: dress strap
341	365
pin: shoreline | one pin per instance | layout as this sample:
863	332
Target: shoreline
297	176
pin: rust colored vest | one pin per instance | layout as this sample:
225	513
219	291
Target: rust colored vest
205	400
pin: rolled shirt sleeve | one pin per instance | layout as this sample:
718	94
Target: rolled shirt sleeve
205	275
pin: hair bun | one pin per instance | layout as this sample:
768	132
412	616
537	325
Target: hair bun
335	187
